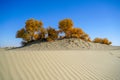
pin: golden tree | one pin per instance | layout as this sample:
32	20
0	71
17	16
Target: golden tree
65	25
52	34
106	41
33	26
23	34
102	41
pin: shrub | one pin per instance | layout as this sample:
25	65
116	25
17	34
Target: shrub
23	34
77	33
97	40
28	33
74	33
106	41
102	41
33	25
65	25
52	34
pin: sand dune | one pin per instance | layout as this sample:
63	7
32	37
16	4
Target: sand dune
60	65
64	44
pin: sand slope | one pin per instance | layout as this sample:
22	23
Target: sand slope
59	65
64	44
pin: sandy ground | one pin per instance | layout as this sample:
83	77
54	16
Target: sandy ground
60	65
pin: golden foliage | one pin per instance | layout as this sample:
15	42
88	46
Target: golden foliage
36	36
20	33
97	40
23	34
34	30
102	41
106	41
33	25
65	24
74	33
52	33
40	34
27	37
77	33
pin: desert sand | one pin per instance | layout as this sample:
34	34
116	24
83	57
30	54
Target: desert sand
67	59
60	64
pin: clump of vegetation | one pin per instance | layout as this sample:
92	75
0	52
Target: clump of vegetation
106	41
34	30
33	26
20	33
65	24
97	40
52	34
102	41
74	33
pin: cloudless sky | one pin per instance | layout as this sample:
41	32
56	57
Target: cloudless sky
98	18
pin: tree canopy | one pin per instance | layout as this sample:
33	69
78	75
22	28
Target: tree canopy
34	30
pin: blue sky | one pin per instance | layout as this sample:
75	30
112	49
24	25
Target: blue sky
98	18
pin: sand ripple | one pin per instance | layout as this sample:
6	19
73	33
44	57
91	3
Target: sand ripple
59	65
